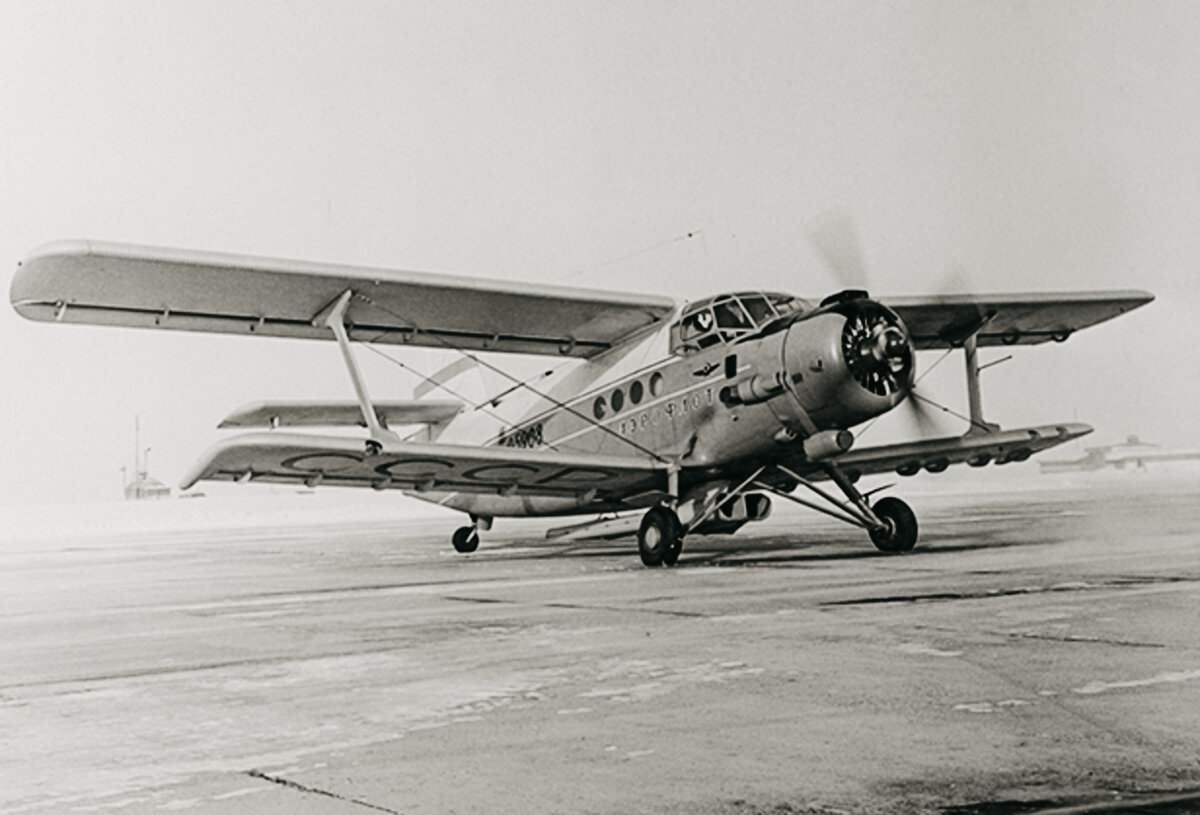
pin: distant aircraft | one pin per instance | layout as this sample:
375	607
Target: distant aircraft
692	415
1133	452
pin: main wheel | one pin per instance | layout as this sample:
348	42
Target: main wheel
901	532
671	556
466	539
659	538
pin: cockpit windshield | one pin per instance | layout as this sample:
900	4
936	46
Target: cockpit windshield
759	308
727	317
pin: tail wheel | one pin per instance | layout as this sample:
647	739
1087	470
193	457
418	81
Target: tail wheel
466	539
901	532
660	538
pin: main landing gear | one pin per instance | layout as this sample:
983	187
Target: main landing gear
889	522
660	537
899	530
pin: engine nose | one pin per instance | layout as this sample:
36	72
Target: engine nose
877	349
845	364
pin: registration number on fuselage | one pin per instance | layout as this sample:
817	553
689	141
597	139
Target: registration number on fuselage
529	436
668	411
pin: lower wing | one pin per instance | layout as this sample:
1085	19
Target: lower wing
935	455
302	459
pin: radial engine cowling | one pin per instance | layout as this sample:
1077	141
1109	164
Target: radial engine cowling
849	362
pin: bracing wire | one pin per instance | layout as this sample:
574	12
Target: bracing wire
912	392
435	383
438	385
630	255
498	370
954	413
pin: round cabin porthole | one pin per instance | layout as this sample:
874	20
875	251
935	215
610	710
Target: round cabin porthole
599	408
635	392
618	400
656	383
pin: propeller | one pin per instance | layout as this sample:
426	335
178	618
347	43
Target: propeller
918	411
953	285
874	344
834	235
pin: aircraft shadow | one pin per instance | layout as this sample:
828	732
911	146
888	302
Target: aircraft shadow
741	552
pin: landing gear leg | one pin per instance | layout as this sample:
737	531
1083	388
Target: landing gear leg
893	526
660	538
890	523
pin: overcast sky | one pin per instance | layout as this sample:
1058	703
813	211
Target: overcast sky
1035	146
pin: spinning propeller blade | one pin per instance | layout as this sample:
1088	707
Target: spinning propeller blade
916	405
835	237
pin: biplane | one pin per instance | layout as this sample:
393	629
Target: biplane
1133	453
670	420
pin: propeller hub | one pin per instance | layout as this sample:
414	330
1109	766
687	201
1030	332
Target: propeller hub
877	349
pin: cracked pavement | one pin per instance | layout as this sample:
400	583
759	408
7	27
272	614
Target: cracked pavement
1038	646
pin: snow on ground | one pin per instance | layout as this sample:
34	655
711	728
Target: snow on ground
254	507
260	506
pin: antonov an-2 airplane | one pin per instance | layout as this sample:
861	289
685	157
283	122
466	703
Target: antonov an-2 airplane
692	415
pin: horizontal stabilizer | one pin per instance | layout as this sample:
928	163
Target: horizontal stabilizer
299	459
100	283
301	413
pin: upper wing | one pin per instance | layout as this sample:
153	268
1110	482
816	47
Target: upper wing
147	287
1009	319
293	458
935	455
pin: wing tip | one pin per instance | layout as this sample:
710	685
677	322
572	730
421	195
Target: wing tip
239	416
63	247
23	291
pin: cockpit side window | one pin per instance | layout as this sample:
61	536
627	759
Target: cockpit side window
697	324
730	315
759	309
728	318
731	319
786	303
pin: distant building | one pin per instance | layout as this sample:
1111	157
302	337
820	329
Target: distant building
146	486
142	485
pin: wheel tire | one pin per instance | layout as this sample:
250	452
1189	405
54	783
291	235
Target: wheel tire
901	534
465	539
658	537
671	556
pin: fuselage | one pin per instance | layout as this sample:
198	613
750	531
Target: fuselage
716	398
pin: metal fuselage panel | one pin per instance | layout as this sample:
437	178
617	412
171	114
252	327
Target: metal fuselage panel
678	409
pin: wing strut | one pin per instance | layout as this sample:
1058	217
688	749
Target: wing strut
974	397
672	485
336	320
